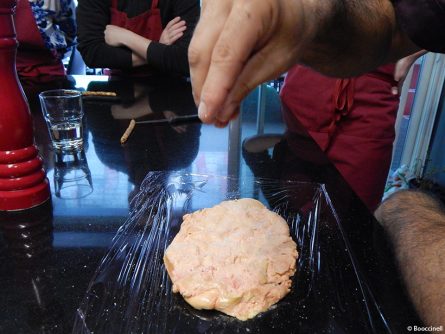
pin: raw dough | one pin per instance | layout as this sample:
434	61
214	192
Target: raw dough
236	257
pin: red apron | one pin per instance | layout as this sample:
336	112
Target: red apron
148	25
352	120
33	58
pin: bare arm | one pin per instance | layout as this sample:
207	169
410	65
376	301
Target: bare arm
415	223
353	36
120	37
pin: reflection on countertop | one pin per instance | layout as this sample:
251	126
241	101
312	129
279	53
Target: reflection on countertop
41	293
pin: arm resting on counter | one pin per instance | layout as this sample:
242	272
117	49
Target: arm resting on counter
415	222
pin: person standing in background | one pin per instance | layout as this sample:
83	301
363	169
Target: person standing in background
46	30
137	37
352	121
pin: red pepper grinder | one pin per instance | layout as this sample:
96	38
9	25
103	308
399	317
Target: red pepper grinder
23	182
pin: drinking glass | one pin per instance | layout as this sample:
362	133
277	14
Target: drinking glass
72	176
62	109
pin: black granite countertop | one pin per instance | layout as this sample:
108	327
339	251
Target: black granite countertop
49	254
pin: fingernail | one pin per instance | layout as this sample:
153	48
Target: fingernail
202	111
394	91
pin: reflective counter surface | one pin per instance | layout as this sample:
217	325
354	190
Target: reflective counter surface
49	253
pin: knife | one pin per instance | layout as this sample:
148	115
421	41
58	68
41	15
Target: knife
173	120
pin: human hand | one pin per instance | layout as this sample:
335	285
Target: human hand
173	31
402	68
236	46
116	36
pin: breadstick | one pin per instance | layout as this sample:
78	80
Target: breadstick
98	93
127	132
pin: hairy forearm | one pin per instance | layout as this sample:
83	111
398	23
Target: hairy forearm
415	223
351	36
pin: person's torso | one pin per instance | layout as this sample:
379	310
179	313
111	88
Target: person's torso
36	55
134	8
324	105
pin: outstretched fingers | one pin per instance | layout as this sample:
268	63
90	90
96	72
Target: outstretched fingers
234	46
254	73
210	26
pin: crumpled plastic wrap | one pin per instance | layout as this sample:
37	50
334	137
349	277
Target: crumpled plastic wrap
131	291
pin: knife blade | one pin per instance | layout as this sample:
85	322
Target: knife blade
173	120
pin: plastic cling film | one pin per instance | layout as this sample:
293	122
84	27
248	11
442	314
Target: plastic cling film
132	293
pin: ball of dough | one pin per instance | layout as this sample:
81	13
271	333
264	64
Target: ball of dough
236	257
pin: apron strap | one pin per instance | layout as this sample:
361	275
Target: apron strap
343	99
154	4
